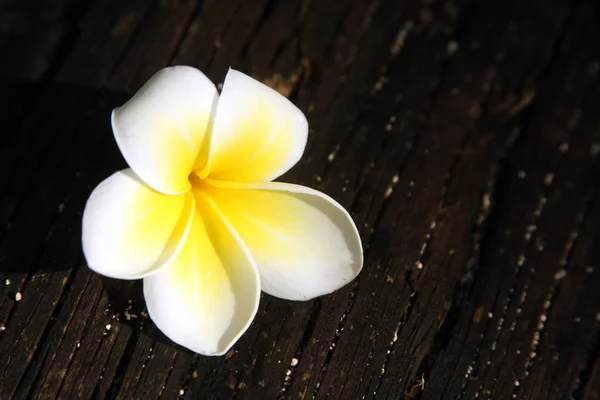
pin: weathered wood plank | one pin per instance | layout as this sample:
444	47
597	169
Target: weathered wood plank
517	259
461	135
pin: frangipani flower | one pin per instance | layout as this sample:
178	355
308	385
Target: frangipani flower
197	216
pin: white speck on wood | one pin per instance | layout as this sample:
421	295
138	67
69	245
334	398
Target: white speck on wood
560	275
401	38
452	47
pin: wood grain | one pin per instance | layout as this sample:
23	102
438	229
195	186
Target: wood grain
462	136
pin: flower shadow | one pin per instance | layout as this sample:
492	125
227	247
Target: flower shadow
56	146
127	307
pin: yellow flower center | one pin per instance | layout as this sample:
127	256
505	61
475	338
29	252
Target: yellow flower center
198	184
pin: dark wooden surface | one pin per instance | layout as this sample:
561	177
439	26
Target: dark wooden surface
462	135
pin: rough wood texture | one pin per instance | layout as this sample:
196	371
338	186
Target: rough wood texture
462	135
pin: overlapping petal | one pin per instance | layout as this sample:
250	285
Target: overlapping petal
130	230
207	297
304	243
163	131
257	133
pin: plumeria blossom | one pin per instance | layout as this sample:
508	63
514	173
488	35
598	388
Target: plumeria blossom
198	217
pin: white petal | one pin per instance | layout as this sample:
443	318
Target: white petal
257	133
208	296
304	243
130	230
163	130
